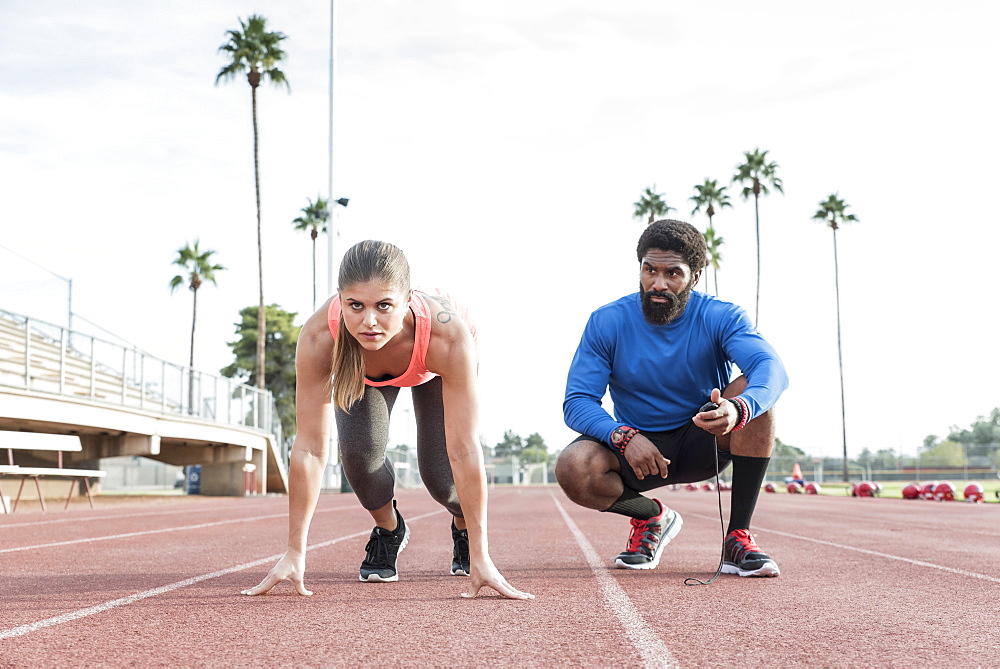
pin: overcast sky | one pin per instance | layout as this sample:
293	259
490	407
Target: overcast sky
501	146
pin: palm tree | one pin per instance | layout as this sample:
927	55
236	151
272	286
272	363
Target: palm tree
198	266
651	204
254	50
714	242
708	195
758	173
832	211
314	218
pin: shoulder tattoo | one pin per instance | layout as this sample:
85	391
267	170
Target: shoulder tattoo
447	310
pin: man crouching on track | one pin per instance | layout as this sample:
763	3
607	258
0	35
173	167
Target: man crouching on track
664	352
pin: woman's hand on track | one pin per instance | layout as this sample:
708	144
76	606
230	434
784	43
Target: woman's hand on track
487	575
291	567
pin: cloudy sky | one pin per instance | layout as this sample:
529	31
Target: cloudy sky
502	145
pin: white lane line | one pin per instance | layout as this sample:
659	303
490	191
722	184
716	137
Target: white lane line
83	519
21	630
165	529
653	651
126	535
865	551
56	521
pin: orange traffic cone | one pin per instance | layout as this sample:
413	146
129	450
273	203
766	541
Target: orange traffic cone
796	472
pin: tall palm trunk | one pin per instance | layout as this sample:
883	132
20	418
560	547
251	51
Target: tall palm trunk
194	318
314	234
840	355
715	272
756	214
254	78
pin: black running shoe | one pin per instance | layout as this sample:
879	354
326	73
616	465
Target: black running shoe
648	538
743	557
460	554
382	548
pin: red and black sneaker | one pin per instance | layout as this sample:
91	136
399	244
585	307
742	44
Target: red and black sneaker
648	539
743	557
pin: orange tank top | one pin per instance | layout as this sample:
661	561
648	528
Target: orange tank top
416	373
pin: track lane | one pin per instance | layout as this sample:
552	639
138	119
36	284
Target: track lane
844	596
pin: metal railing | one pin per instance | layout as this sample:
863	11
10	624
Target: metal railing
41	357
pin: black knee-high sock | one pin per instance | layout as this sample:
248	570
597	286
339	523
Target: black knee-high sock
634	505
748	474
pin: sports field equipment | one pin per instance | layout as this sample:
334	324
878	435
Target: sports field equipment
742	556
460	552
813	488
648	539
911	491
944	491
973	493
794	487
865	489
769	487
383	547
927	490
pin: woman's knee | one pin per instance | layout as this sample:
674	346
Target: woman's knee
445	495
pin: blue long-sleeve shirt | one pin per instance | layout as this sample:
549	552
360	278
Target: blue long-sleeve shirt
660	375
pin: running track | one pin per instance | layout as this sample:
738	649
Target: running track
155	582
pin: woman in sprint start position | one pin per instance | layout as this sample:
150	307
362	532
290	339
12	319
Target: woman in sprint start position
373	337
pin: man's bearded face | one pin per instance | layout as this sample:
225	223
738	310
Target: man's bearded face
661	313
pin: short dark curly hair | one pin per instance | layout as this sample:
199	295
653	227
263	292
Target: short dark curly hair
677	236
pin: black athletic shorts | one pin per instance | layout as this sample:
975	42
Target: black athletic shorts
692	453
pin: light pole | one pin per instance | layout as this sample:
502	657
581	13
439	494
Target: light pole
329	195
328	218
344	485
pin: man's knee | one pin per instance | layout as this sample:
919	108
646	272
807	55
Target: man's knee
582	466
573	464
756	439
566	464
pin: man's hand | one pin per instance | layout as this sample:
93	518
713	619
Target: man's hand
291	567
644	458
717	421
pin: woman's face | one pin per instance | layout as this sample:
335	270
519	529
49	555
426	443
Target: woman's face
373	312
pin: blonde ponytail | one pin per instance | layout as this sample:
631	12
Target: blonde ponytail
348	369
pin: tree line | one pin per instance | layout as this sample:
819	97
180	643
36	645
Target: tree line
532	449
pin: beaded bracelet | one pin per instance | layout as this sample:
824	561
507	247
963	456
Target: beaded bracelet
743	413
621	436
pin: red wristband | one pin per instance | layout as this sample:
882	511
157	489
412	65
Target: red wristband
743	412
621	436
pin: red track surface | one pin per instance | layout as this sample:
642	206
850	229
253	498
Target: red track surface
155	582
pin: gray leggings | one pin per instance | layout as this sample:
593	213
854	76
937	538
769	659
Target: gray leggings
363	435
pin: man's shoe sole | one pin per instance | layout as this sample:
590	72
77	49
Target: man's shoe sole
375	578
460	572
769	568
673	529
